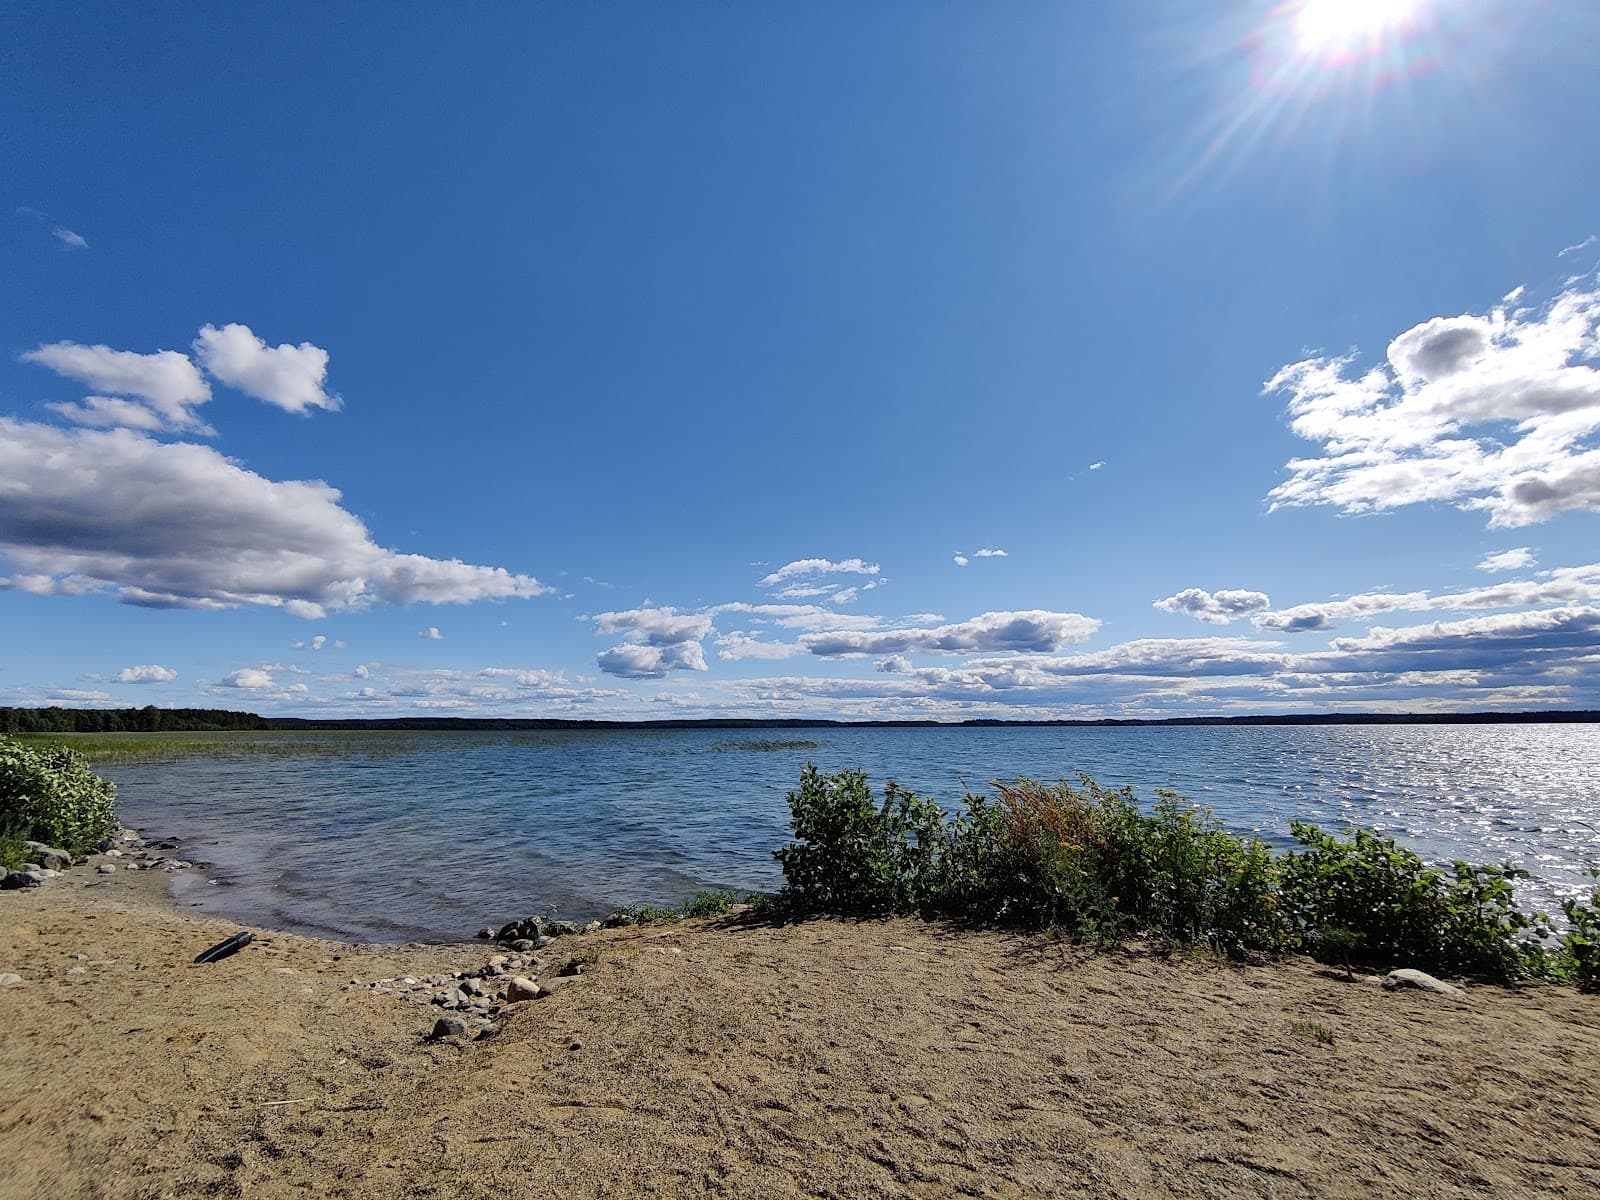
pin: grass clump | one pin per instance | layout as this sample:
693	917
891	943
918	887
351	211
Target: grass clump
1312	1032
1087	862
701	904
48	794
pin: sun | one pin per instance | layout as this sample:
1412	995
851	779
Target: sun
1335	28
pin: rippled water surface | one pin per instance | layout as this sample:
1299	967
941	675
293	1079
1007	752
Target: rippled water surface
393	837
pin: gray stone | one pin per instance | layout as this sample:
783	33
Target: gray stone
1406	977
48	856
472	987
447	1027
129	835
486	932
18	879
113	853
7	979
107	868
521	989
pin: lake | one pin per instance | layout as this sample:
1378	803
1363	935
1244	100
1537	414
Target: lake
377	836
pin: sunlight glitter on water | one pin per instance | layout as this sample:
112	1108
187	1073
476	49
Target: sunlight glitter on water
438	834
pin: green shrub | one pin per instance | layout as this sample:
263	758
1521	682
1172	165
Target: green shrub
48	794
1082	860
1391	909
1578	952
708	904
858	858
1086	861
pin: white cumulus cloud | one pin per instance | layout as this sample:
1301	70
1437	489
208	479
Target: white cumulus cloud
636	660
1216	608
1494	412
431	633
248	679
166	382
177	525
147	673
290	377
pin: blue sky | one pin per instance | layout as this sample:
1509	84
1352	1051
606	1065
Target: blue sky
678	360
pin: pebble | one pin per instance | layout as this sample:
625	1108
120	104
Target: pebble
7	979
107	868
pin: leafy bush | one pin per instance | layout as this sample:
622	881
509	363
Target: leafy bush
1389	907
708	904
48	794
1087	861
1578	953
855	857
1083	860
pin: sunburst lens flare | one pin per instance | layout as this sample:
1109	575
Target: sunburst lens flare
1338	28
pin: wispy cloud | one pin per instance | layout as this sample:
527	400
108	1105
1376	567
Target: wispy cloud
1507	560
806	567
68	238
1033	630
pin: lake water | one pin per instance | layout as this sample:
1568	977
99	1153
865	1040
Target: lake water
380	837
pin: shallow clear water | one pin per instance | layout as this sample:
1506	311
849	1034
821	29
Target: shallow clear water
430	836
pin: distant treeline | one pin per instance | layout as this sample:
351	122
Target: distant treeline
149	719
154	720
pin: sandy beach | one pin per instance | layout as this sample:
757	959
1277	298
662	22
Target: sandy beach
890	1058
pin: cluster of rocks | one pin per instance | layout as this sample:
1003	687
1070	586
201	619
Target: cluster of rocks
127	851
472	999
534	933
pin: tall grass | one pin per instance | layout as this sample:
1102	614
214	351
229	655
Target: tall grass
1088	862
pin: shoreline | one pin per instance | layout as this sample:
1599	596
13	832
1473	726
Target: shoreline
706	1057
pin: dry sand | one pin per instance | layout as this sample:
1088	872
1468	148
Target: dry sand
823	1059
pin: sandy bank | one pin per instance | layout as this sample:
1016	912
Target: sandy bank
831	1059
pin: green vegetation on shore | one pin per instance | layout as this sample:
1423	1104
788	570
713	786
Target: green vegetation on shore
148	719
1086	862
48	794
